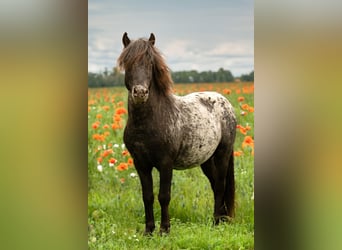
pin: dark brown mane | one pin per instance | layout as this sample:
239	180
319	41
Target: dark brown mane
142	50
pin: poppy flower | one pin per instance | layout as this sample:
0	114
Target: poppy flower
122	166
106	126
237	153
243	130
227	91
115	126
117	118
120	104
98	116
125	152
95	125
248	141
112	160
106	108
120	111
107	152
245	106
130	161
241	99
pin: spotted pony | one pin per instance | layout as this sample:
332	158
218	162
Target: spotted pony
169	132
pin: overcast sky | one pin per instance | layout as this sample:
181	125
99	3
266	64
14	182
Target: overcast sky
191	34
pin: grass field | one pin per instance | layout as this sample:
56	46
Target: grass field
115	206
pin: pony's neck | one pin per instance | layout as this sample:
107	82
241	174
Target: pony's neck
157	107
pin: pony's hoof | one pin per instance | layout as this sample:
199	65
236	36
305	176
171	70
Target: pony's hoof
164	231
148	231
222	218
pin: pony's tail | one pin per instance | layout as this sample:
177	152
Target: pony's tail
229	193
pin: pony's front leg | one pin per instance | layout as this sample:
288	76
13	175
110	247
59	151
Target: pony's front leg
146	181
164	197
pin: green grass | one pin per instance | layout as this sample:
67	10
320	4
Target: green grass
116	212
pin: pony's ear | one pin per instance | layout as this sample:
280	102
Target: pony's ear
125	40
152	39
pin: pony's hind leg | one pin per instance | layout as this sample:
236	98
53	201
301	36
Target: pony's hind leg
221	158
208	169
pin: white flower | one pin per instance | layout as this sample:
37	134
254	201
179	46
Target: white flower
104	146
115	145
123	146
100	168
133	175
111	164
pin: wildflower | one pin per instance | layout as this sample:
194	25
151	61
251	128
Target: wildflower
248	141
106	133
122	180
106	126
243	113
99	168
106	108
116	145
120	111
241	99
125	153
98	137
99	160
91	102
107	152
237	153
238	91
251	109
112	160
95	125
115	126
98	116
243	130
133	175
248	127
120	104
122	166
117	118
227	91
130	161
245	106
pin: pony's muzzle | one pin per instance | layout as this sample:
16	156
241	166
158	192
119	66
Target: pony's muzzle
139	94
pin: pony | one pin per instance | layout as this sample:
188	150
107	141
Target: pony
169	132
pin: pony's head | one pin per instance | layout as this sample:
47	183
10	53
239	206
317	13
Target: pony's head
144	67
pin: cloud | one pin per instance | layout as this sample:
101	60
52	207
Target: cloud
203	37
230	49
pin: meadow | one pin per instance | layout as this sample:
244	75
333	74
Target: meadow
115	206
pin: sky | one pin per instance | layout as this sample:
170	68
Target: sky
192	35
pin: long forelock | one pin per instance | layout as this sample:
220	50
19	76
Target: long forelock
141	51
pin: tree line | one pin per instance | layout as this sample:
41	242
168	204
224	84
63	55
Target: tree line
116	78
